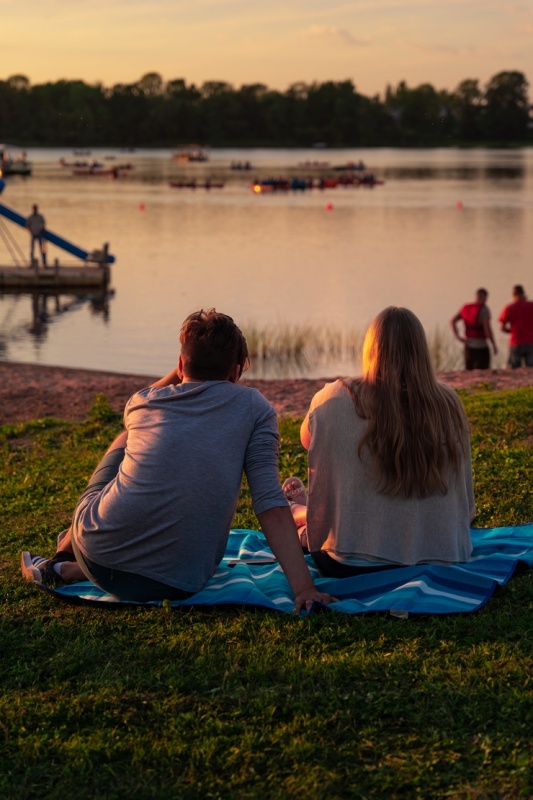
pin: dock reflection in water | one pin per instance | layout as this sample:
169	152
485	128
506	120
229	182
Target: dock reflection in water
32	312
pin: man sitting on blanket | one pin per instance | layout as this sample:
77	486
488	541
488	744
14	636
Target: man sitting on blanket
154	521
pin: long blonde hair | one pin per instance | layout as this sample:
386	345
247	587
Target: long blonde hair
416	427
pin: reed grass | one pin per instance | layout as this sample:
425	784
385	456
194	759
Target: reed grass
306	345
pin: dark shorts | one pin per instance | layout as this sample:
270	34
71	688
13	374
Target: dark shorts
477	358
521	354
124	585
334	569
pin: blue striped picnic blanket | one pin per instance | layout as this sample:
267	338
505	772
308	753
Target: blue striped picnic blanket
250	575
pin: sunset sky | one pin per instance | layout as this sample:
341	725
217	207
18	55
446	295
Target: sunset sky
275	42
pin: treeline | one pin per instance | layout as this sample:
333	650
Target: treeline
152	112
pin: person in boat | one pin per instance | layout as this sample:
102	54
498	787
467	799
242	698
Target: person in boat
153	522
36	225
517	319
477	332
389	463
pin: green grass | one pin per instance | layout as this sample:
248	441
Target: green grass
243	703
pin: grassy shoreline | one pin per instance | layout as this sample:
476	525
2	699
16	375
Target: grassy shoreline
233	703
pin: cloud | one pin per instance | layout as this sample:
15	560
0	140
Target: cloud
334	35
436	48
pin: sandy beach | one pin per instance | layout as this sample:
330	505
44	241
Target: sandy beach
29	391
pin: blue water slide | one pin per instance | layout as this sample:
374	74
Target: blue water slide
53	238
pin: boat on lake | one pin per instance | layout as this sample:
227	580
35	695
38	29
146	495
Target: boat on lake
351	166
313	165
98	170
194	184
79	164
191	153
13	161
304	184
367	179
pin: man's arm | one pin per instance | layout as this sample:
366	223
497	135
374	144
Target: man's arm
453	323
278	526
172	379
487	330
505	324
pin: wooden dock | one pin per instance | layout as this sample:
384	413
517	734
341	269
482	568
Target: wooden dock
55	276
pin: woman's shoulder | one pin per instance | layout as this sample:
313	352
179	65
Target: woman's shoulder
335	387
341	387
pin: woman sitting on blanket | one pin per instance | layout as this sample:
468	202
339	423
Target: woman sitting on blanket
390	473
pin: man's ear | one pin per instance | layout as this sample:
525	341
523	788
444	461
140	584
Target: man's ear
180	368
235	373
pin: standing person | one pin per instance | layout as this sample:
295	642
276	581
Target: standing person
36	225
517	319
477	332
154	521
389	463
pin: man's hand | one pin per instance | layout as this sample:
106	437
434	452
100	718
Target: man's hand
278	526
304	600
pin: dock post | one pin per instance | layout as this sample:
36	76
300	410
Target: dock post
105	263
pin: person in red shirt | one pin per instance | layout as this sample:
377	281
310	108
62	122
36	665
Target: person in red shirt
477	330
517	319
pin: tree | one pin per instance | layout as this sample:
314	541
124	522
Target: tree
153	112
128	110
507	107
20	83
215	89
469	109
421	115
181	110
151	84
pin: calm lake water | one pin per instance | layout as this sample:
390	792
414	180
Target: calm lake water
443	223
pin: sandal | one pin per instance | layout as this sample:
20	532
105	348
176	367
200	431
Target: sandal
295	491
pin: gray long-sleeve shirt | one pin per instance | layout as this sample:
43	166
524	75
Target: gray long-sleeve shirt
168	512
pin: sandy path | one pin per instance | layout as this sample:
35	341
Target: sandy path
29	391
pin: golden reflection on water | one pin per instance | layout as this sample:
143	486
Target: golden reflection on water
442	224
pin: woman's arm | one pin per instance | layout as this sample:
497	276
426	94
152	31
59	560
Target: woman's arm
305	433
